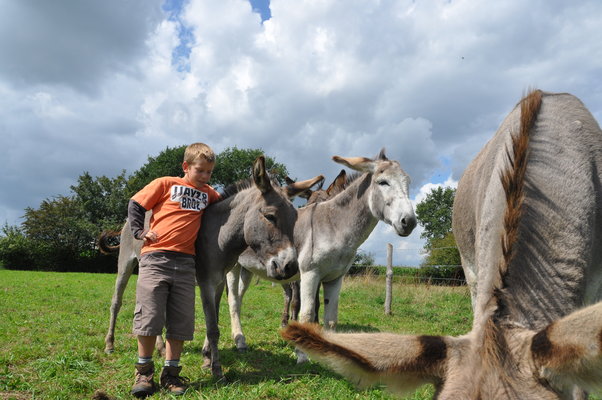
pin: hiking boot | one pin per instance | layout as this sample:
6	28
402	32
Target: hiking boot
172	381
145	384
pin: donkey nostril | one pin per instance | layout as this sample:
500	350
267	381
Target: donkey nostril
291	267
403	222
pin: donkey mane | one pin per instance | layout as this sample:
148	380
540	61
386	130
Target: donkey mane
233	189
495	352
343	196
513	182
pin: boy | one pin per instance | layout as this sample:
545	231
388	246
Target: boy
165	291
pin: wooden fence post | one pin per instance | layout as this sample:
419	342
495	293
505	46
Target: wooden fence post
389	280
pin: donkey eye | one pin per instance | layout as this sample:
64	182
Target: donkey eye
383	183
270	217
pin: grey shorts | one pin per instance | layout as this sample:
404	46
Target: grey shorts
165	294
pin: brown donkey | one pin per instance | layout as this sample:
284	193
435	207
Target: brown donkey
528	221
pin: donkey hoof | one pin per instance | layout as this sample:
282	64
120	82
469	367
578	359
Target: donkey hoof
109	351
241	343
217	373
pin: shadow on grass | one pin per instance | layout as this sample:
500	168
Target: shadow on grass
342	328
257	365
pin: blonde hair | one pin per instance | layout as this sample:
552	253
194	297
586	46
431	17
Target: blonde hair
196	151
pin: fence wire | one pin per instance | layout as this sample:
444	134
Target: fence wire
418	278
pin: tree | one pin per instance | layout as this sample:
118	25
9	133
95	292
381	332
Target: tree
234	164
16	250
104	200
434	213
167	163
61	233
442	262
443	251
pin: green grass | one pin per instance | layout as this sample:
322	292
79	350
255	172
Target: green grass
53	326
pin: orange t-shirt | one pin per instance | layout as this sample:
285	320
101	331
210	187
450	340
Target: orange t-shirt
177	209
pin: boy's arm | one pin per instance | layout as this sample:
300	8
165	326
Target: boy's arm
136	215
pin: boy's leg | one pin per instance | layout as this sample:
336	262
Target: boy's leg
152	290
173	349
170	376
179	324
144	384
146	346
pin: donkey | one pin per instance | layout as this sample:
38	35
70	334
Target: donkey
253	213
239	279
528	221
327	234
292	291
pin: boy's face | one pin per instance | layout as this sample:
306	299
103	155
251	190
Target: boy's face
199	172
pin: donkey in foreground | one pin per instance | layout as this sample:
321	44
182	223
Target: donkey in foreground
528	221
327	234
253	213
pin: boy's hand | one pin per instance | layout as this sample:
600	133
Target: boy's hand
151	236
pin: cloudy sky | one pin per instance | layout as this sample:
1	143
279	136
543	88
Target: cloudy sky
99	86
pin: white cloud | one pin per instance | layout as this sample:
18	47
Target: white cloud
94	86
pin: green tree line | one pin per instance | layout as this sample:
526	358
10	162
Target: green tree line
61	234
442	259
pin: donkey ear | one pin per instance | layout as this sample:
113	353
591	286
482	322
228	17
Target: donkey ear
381	156
570	349
303	188
401	362
361	164
260	176
339	182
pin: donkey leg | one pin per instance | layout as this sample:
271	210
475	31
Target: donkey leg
238	281
317	307
124	271
287	289
332	291
210	293
296	299
310	283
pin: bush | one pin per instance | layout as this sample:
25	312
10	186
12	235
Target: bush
16	250
363	264
450	275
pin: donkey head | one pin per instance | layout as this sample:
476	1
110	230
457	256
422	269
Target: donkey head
336	187
269	223
389	190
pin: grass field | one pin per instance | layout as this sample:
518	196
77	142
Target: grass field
53	325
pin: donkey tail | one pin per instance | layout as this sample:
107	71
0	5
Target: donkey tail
401	362
104	242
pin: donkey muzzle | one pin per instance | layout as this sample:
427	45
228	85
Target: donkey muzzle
282	268
405	225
